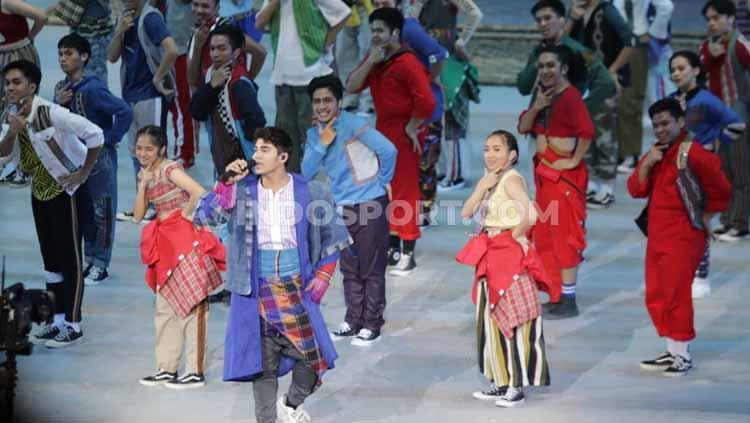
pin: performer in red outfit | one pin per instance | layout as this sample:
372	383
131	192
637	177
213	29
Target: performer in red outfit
403	100
563	129
675	241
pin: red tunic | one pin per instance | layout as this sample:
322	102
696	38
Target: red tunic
721	78
13	28
674	247
559	234
400	90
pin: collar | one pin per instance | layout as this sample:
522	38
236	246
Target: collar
288	185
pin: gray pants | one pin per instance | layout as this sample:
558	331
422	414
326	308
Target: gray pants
266	386
351	46
294	115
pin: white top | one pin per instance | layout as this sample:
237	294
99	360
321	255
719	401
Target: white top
276	222
660	25
289	66
62	147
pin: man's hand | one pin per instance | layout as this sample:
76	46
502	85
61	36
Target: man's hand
716	49
220	76
74	179
125	22
543	98
159	85
655	154
328	133
201	36
413	134
376	55
317	289
616	80
459	49
16	123
577	9
239	167
63	95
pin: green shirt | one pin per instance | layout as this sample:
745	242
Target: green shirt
598	80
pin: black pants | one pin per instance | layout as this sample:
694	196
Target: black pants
59	233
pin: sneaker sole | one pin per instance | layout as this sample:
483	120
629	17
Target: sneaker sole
360	343
40	341
335	338
482	397
152	383
731	240
92	282
671	374
396	272
654	367
185	387
591	206
509	404
54	344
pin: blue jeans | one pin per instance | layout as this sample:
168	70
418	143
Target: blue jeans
100	204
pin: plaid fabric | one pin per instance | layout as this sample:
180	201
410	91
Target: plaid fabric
164	194
70	11
191	282
225	112
519	305
280	304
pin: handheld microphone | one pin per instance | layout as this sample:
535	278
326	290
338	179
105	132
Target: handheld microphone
229	174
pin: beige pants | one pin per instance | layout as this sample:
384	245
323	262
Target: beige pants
172	333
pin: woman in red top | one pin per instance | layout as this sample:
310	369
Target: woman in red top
182	262
562	127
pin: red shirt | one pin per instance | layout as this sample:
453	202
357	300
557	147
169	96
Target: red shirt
721	79
566	117
13	28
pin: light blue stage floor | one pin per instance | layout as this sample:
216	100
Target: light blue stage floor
424	368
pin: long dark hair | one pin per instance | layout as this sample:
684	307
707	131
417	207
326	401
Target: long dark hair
573	60
695	61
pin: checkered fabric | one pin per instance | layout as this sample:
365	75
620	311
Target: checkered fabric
281	307
70	11
519	305
191	282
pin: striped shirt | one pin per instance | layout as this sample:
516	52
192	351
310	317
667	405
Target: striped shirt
276	223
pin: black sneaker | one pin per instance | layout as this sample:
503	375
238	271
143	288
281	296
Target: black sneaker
188	381
721	230
394	254
96	276
87	270
659	363
125	216
733	235
344	331
565	309
492	394
511	398
406	264
600	201
680	367
46	334
67	337
162	376
548	306
366	337
20	180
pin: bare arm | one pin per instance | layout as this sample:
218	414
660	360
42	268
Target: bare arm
114	49
21	8
472	203
571	163
264	16
517	192
333	32
358	76
167	61
622	59
258	53
141	201
186	183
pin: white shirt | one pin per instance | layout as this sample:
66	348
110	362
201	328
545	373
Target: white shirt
659	26
62	147
276	218
289	65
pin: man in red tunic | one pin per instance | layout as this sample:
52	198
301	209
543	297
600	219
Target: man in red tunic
675	241
403	100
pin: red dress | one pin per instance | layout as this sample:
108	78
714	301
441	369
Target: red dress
674	247
183	262
400	90
559	234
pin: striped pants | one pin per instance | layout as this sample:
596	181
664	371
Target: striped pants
519	361
735	162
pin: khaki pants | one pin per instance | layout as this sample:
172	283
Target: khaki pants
172	333
630	118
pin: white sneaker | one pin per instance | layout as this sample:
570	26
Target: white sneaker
288	414
627	166
96	276
701	288
344	331
733	235
406	264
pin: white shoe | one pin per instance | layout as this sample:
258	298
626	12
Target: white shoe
701	288
406	264
288	414
733	235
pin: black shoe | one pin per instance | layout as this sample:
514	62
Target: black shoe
511	398
600	202
162	376
394	255
721	230
679	367
188	381
406	264
565	309
46	334
492	394
96	276
548	306
87	270
222	297
365	337
659	363
67	337
344	331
